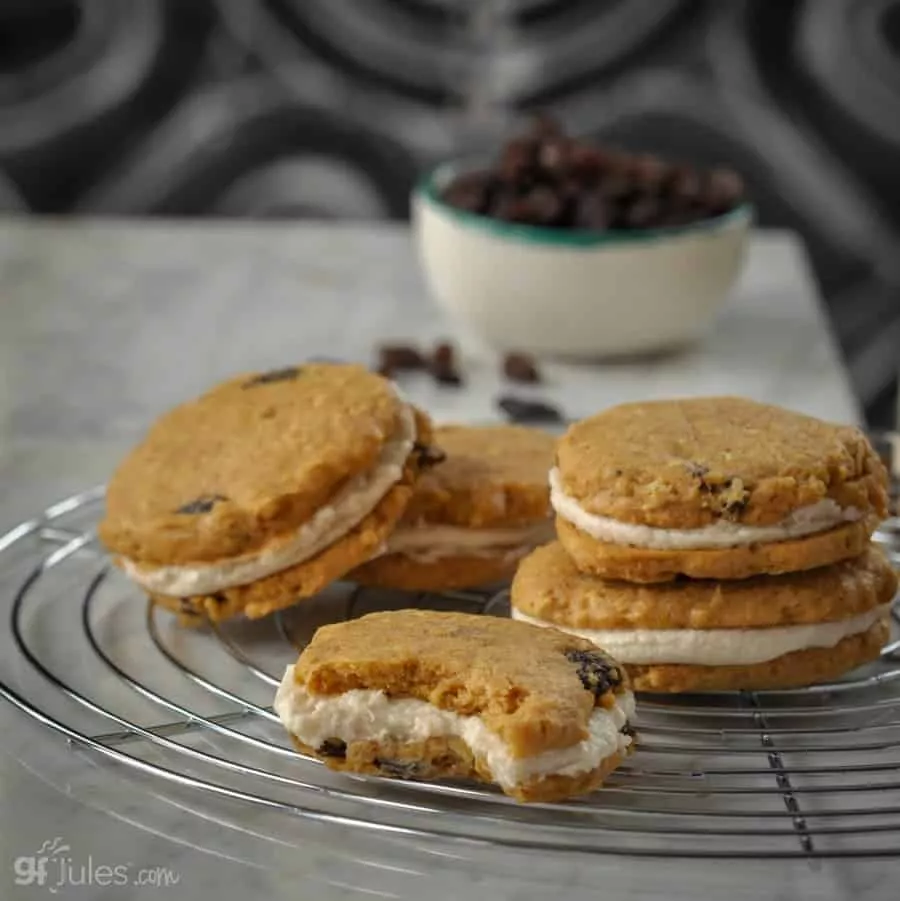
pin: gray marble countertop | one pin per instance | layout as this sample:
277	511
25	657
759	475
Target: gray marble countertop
103	325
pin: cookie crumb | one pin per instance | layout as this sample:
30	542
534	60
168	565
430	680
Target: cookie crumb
399	358
442	365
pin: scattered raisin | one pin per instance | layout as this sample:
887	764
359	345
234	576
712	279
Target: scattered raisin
521	410
286	374
519	367
442	365
399	358
444	353
333	747
597	672
398	769
202	504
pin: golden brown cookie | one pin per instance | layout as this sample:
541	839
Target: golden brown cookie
550	587
265	489
246	462
683	464
421	694
795	670
473	517
713	488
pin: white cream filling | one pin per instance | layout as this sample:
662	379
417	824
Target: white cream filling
428	543
350	505
716	647
367	715
818	517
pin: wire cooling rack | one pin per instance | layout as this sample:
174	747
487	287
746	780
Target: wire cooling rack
812	773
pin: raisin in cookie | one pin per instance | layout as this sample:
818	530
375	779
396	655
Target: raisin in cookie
720	488
687	635
472	518
265	489
427	695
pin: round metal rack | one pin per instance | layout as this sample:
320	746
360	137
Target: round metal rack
811	773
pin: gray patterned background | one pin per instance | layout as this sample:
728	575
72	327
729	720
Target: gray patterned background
330	108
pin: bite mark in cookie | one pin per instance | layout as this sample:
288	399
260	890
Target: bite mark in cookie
541	714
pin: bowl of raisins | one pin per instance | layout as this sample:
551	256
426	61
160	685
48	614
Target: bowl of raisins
560	247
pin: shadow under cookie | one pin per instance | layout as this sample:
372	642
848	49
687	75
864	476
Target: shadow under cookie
446	574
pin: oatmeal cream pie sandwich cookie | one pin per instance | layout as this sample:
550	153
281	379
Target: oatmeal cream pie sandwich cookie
265	489
427	695
713	488
764	632
472	518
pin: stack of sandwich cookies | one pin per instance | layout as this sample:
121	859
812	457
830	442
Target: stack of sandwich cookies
715	544
265	489
427	695
472	518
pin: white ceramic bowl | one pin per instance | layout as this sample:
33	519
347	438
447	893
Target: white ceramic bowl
576	293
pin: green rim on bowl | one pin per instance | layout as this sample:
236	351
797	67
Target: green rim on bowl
429	189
